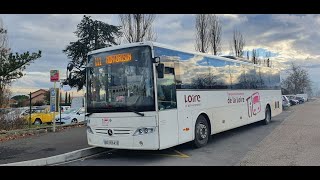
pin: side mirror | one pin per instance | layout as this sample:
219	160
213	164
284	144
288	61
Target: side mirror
160	70
156	60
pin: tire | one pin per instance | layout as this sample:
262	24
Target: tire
201	132
267	118
73	121
37	122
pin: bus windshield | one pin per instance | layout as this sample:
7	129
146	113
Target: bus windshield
120	81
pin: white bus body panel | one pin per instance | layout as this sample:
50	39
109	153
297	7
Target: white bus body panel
123	126
225	109
168	128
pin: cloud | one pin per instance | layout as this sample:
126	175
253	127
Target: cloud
292	38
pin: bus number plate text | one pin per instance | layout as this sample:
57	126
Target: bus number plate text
111	142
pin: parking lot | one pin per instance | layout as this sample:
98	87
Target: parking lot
225	149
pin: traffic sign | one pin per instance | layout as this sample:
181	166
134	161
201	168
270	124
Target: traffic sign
54	75
53	99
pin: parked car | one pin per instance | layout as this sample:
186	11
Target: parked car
292	99
285	102
304	96
70	116
40	116
300	99
26	112
64	108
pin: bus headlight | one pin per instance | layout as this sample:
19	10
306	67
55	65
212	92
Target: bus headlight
144	130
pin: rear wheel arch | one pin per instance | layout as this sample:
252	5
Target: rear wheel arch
37	121
74	120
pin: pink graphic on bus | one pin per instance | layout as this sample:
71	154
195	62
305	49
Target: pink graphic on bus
253	104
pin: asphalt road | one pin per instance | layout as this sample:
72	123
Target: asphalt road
225	149
43	145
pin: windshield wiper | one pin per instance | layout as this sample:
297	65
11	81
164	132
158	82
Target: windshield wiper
88	114
139	113
126	108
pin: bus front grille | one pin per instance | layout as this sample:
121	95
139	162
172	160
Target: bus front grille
115	131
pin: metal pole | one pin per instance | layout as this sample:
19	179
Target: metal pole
54	122
30	110
60	103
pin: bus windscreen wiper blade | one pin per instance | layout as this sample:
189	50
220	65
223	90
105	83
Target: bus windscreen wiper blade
139	113
88	114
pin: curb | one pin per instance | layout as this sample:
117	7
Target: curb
81	153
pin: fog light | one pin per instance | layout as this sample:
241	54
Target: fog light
141	143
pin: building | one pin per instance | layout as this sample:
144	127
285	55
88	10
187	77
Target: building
38	96
13	103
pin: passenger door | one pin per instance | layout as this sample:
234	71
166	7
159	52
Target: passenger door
167	106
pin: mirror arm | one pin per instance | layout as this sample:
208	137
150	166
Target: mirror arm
156	60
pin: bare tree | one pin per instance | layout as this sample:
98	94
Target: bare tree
215	34
238	43
268	63
268	55
255	56
298	80
138	27
202	32
231	52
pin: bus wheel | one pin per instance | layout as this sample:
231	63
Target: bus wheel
201	132
267	118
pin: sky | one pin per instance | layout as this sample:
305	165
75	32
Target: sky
289	38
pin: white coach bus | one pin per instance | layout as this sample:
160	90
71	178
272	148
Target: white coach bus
152	96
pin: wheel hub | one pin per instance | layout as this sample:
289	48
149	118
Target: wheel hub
202	131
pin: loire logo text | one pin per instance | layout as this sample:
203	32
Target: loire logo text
192	100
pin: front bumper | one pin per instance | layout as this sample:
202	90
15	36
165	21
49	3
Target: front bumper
124	141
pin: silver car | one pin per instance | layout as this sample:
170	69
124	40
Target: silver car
285	102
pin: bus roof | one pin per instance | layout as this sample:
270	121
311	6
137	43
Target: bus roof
151	44
121	46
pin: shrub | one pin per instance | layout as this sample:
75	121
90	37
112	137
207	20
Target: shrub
11	121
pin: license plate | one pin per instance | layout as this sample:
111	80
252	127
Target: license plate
111	142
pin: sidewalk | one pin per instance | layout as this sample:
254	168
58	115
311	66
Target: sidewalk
43	145
295	142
